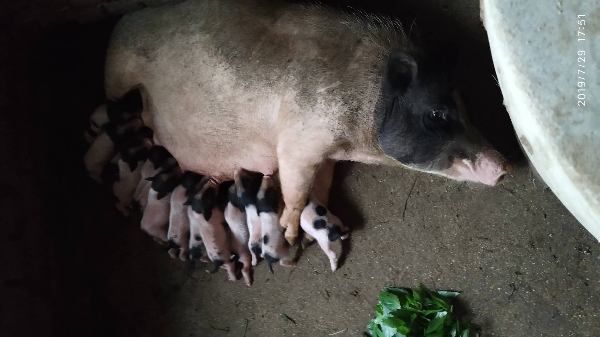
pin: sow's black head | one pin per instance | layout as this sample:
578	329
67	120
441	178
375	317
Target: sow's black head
423	125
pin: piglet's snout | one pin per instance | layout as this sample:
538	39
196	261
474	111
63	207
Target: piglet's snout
487	168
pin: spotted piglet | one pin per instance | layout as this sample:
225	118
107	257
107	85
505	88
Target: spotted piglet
318	222
103	149
207	219
235	216
179	223
268	204
131	158
155	220
196	245
247	185
159	159
129	107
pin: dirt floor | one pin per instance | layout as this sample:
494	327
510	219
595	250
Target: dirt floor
523	264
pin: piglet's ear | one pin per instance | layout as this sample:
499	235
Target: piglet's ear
401	70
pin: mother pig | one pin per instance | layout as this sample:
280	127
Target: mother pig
269	86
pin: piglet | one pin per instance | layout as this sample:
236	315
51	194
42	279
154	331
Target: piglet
131	159
155	220
179	222
159	159
268	205
127	108
102	149
317	221
247	185
207	219
235	216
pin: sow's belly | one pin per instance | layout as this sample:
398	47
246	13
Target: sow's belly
216	138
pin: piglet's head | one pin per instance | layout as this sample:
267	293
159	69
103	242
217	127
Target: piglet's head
424	125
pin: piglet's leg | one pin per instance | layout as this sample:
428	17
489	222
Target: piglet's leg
99	155
155	220
179	225
255	228
297	168
197	250
326	247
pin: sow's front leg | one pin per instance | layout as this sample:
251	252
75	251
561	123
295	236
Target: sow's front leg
298	166
320	191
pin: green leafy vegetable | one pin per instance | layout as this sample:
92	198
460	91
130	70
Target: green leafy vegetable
423	313
389	301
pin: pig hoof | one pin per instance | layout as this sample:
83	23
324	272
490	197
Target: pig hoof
159	241
183	255
230	267
287	263
291	235
155	238
291	221
173	252
196	253
334	263
247	279
173	248
123	209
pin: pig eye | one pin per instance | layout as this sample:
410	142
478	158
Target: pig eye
439	115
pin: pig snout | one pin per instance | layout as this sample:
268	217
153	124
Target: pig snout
488	167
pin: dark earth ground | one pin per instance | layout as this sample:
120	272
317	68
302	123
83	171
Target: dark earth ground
71	265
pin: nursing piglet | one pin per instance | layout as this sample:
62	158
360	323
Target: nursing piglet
159	159
127	108
247	185
235	216
209	221
131	159
103	149
269	205
155	220
178	235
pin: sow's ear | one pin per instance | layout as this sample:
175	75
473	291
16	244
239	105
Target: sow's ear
400	72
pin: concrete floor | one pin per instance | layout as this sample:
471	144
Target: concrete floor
524	265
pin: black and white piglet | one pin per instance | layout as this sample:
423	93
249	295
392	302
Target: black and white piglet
178	235
129	107
326	228
155	220
104	148
159	159
235	216
269	205
207	221
131	157
247	185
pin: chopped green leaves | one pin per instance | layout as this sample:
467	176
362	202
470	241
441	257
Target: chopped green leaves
423	313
